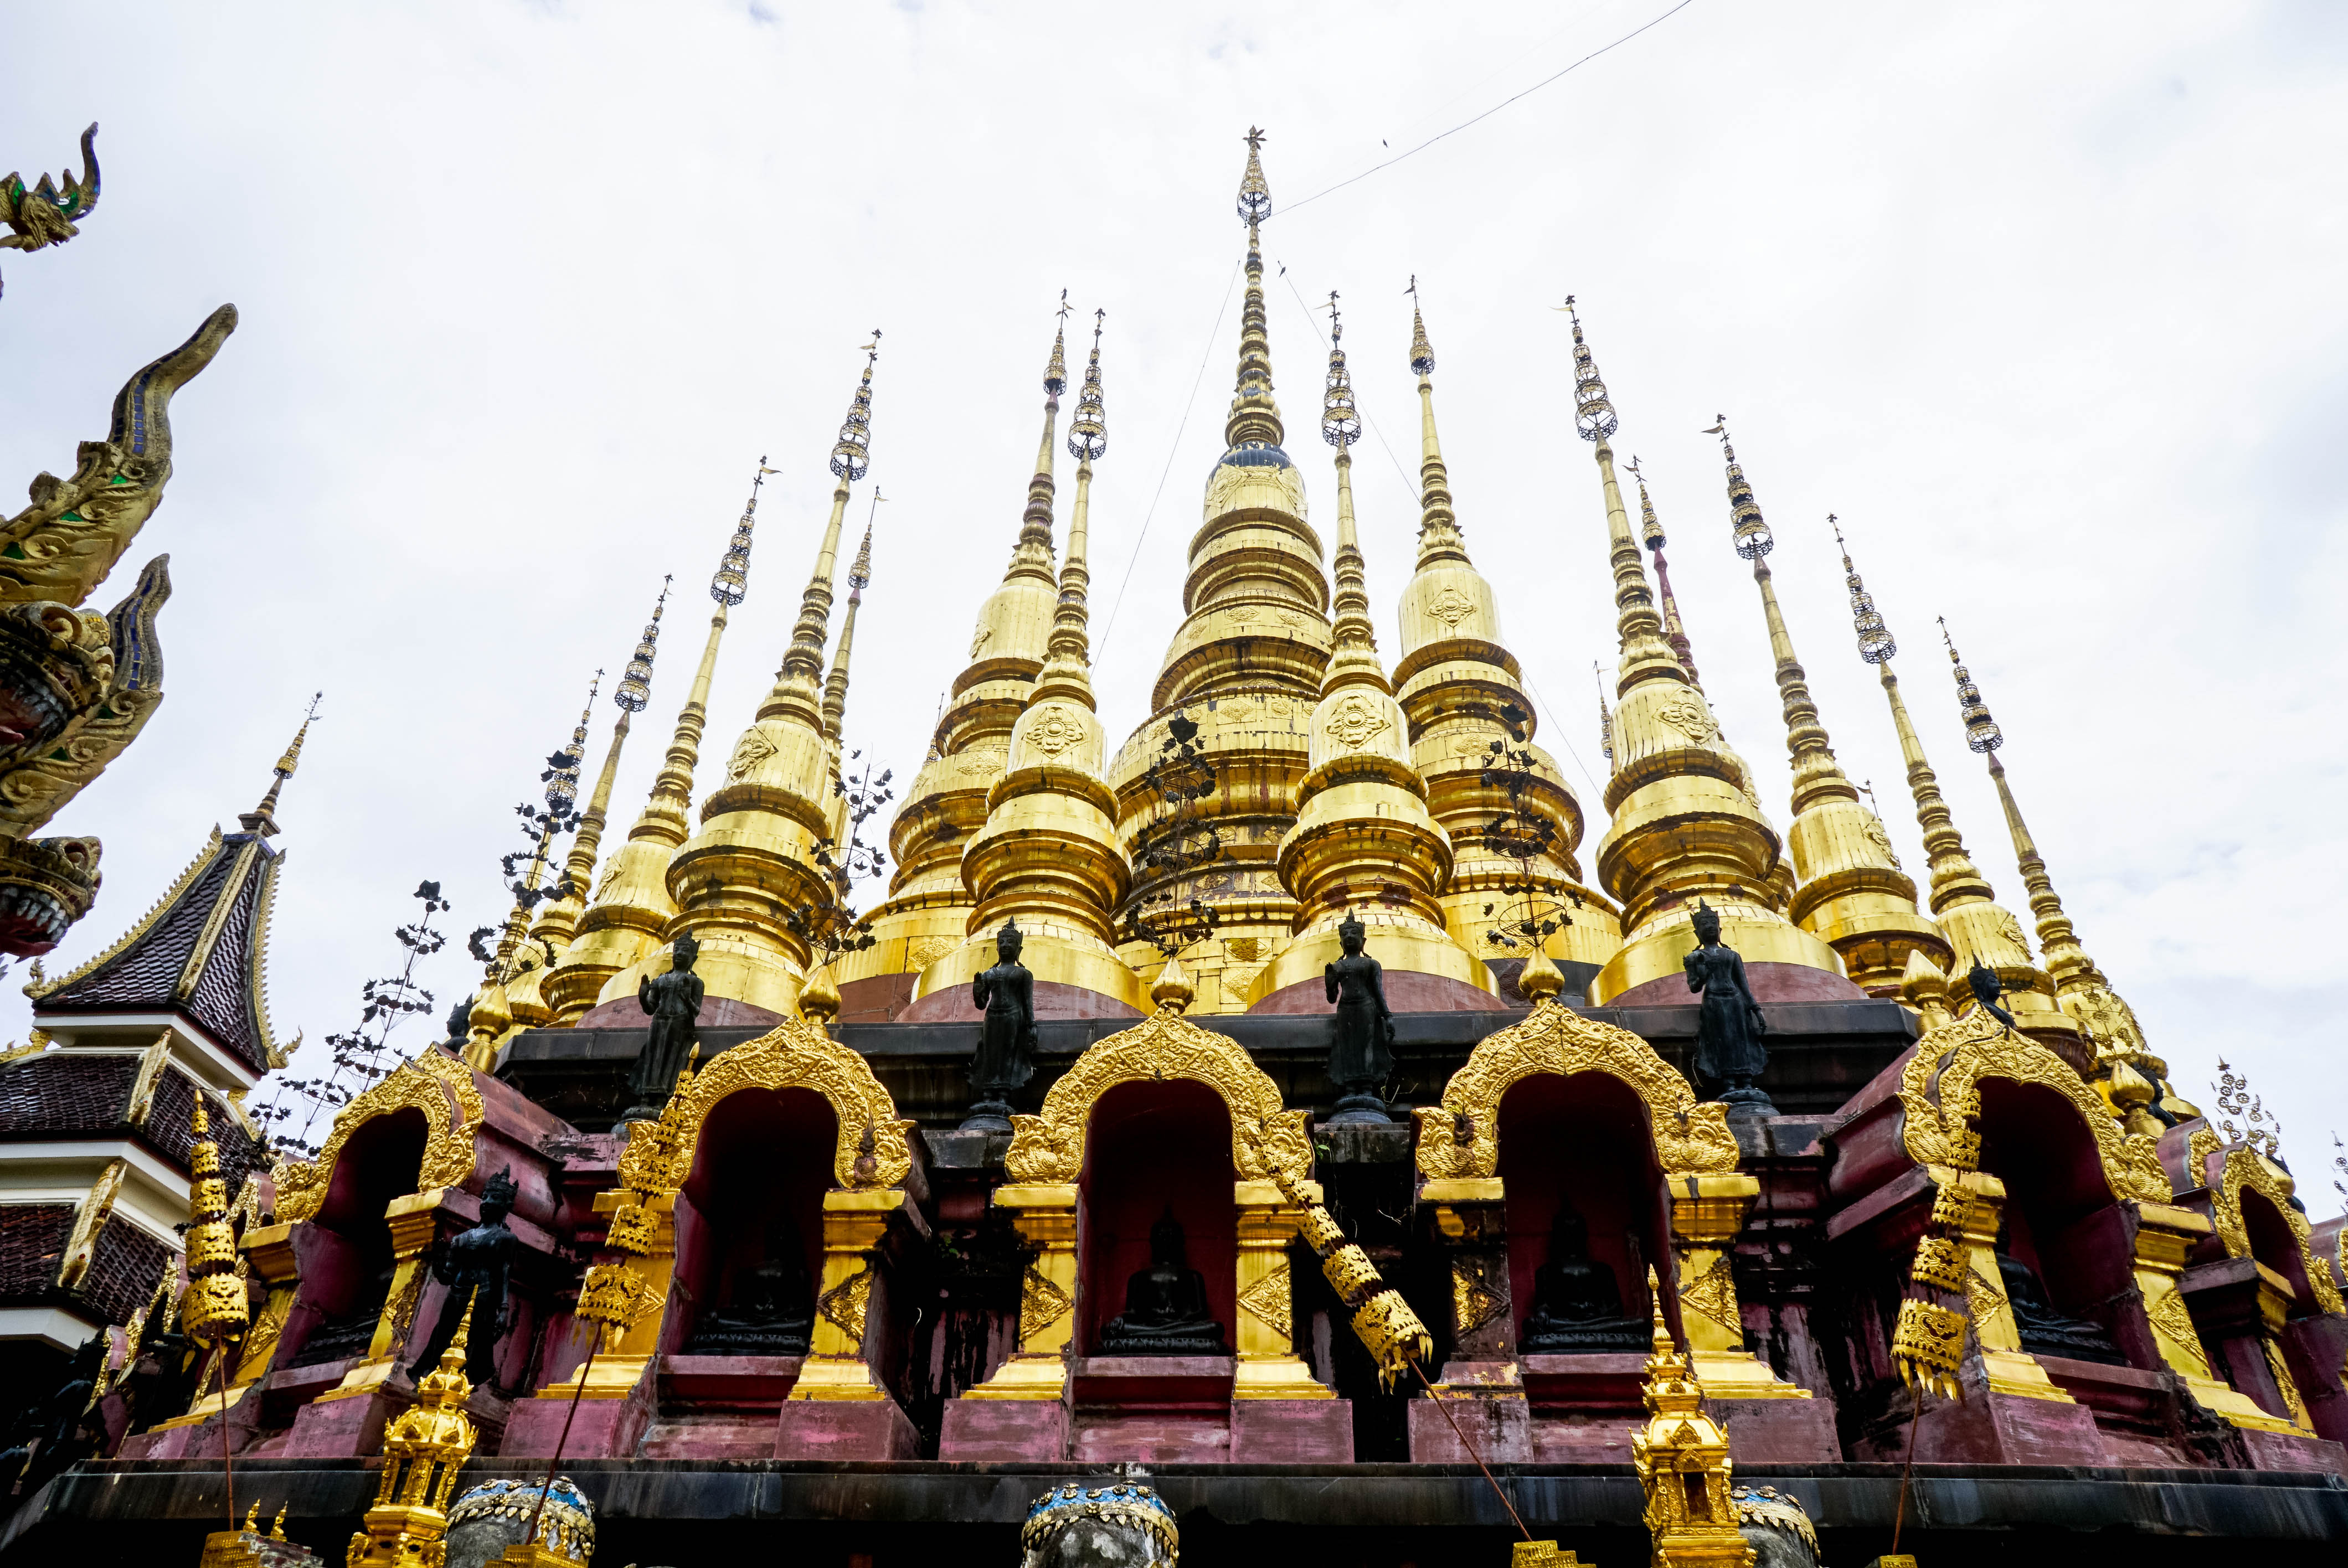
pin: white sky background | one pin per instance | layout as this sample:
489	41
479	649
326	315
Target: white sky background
2043	301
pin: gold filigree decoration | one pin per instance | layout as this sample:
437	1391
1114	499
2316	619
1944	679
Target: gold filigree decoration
2172	1320
1055	729
97	1208
1040	1305
1264	1135
1479	1294
2290	1387
980	638
613	1295
2245	1170
752	749
1267	1301
928	950
1939	1263
1712	1295
1692	1137
1939	1091
1355	722
2199	1147
1451	606
441	1089
1926	1344
843	1305
1687	714
1984	1300
794	1054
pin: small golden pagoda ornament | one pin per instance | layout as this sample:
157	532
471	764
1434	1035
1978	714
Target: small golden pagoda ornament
1681	1457
425	1448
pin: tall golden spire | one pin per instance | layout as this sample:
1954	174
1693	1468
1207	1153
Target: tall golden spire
1650	533
262	818
835	686
1365	847
1688	827
753	862
631	903
1255	416
1977	927
2081	988
1462	694
558	919
1048	858
1850	890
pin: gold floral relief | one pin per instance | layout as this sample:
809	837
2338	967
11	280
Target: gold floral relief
1355	722
1479	1293
844	1305
1267	1301
1265	1136
1939	1092
1040	1305
794	1054
1692	1137
1712	1295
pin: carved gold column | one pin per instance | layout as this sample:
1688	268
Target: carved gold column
1269	1366
2009	1368
413	1220
644	1232
2165	1238
835	1368
1045	1215
1707	1215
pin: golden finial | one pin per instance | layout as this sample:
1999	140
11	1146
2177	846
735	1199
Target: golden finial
1593	412
859	572
1753	536
1981	732
1422	353
1255	196
1875	644
214	1310
262	818
1341	422
1664	1347
1540	978
1089	431
635	687
820	998
1605	719
562	779
1055	375
851	455
1172	991
732	579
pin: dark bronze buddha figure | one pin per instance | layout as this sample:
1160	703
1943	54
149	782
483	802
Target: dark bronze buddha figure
2045	1328
1165	1303
672	1001
1729	1054
1577	1304
772	1311
1006	1059
475	1267
1360	1059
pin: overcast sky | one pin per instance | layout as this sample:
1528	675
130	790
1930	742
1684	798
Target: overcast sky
2043	302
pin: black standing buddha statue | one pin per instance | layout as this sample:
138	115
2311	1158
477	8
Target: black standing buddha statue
672	1001
1729	1054
1360	1059
1577	1303
476	1266
1166	1311
1006	1059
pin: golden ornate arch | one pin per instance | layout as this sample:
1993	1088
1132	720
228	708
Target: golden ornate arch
1265	1137
870	1151
2247	1171
442	1089
1939	1091
1692	1137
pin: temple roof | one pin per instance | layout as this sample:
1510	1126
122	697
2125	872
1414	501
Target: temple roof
201	952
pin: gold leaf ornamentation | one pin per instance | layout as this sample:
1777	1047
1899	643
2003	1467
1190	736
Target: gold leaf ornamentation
980	640
436	1085
1040	1305
1940	1093
1687	714
843	1305
1692	1137
794	1054
2172	1320
1712	1295
1451	606
2283	1381
752	749
1982	1299
2245	1170
919	955
1265	1136
613	1296
1927	1342
1267	1301
1055	729
1355	722
1939	1263
1479	1294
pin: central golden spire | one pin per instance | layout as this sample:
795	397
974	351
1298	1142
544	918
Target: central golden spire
1255	417
1977	927
1850	890
631	903
753	863
1687	826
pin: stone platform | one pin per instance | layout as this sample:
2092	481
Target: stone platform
679	1511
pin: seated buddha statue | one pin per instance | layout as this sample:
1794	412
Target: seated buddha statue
2045	1330
772	1311
1165	1303
1577	1304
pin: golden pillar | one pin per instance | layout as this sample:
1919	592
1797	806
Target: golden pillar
836	1366
1269	1366
1045	1215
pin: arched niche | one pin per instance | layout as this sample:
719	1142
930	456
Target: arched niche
2062	1219
438	1089
347	1257
2251	1208
1155	1146
761	1167
1582	1140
